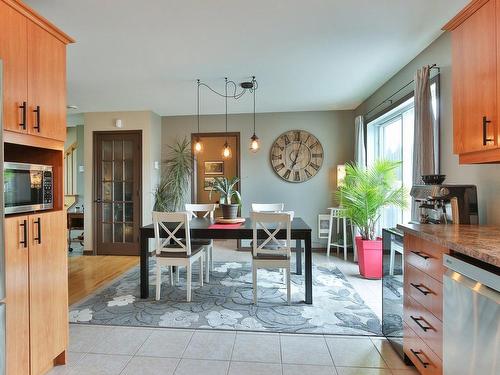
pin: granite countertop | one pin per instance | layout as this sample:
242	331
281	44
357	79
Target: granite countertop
481	242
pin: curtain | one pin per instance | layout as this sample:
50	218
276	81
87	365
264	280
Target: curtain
424	146
359	143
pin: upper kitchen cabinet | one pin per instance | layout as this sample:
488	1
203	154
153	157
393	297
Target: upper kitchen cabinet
476	77
33	52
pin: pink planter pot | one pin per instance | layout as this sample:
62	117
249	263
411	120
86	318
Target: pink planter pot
369	258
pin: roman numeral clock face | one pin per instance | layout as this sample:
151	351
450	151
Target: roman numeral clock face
296	156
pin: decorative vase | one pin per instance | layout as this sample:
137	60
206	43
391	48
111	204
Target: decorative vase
229	211
369	257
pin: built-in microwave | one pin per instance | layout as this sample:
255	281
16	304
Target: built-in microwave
27	187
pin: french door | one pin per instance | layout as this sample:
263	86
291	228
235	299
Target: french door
117	192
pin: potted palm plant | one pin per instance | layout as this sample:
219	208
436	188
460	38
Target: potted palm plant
365	192
230	198
171	193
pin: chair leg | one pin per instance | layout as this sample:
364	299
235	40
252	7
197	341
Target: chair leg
158	282
288	289
188	283
329	237
177	272
338	229
201	270
254	282
211	251
172	275
344	237
207	265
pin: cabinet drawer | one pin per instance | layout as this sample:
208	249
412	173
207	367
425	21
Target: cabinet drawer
424	359
425	290
424	324
425	255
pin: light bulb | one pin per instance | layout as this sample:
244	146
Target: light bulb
226	152
197	146
255	143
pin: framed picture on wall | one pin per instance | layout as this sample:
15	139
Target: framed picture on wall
323	225
214	167
208	183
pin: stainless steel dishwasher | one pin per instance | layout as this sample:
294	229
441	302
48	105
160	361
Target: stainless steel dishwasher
471	319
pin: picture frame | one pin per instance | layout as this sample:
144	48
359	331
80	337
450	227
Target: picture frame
323	225
208	182
214	167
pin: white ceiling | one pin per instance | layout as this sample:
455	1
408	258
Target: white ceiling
306	54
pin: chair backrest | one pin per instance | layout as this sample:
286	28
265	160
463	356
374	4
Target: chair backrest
206	209
337	212
272	223
268	207
182	241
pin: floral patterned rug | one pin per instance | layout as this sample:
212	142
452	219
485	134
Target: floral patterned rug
226	303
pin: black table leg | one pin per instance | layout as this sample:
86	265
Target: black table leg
144	248
308	276
298	257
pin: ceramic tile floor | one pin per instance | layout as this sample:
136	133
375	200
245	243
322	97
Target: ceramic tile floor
106	350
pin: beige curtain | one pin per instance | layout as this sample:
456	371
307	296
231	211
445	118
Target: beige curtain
359	145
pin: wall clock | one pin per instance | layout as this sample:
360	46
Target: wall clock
296	156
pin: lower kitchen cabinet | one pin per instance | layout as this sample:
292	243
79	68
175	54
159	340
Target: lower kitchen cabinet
36	292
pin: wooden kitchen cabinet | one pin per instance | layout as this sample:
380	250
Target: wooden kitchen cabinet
475	34
17	295
33	53
14	56
46	84
36	291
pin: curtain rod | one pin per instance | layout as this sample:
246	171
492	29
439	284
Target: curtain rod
388	99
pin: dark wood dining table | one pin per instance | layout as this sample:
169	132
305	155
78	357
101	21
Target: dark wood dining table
200	228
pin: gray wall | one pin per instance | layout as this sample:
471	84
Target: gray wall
259	183
486	177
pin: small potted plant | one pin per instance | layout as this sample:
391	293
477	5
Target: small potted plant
230	198
365	192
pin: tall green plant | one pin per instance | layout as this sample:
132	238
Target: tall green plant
171	193
226	188
366	192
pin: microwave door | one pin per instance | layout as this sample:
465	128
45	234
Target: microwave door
23	190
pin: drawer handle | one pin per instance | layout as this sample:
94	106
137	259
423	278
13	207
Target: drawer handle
24	225
421	254
486	140
39	238
417	354
420	288
23	115
424	328
37	111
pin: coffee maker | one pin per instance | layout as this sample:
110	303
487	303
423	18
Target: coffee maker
445	204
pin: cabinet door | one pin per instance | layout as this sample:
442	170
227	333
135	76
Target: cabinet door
13	53
46	84
474	82
48	289
17	295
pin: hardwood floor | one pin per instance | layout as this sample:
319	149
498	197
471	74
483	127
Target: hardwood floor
89	273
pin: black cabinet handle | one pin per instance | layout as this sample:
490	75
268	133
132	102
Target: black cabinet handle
37	125
485	131
23	115
24	225
420	254
39	238
420	287
418	320
417	354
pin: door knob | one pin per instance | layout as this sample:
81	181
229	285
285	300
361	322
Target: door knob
98	200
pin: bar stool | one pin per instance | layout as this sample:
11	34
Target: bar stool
339	214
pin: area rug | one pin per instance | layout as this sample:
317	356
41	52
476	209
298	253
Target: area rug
226	303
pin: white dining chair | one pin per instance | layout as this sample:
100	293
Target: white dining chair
271	223
268	207
175	250
206	210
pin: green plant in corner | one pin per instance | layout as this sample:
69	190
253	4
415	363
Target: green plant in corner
366	192
171	193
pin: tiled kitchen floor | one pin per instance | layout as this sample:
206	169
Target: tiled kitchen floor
108	350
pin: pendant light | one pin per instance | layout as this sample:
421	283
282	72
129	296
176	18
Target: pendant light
254	140
198	146
226	151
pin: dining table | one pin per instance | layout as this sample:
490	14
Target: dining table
206	228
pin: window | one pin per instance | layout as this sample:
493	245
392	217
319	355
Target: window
390	137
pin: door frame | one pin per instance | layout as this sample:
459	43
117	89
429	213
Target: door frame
95	135
194	175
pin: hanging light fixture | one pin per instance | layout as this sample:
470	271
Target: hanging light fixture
254	140
226	151
198	146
